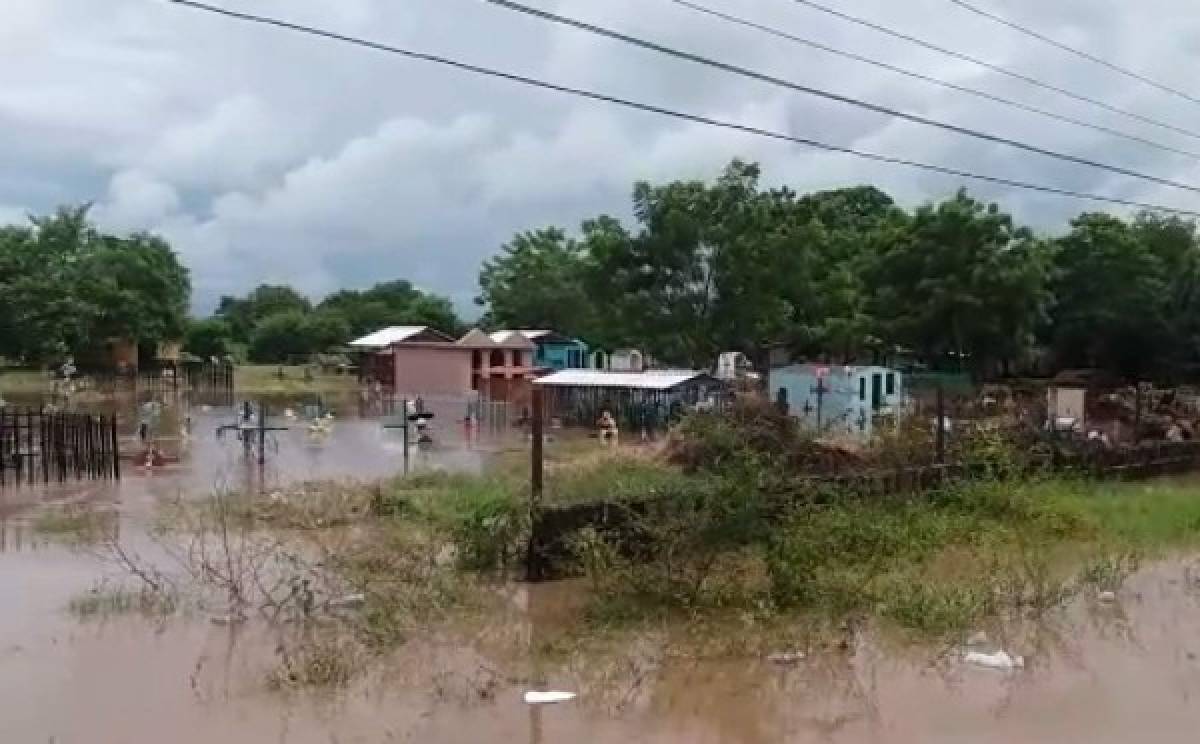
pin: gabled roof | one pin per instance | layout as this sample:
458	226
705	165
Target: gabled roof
654	380
477	339
396	334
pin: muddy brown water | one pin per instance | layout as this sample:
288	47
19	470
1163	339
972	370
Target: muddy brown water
1121	672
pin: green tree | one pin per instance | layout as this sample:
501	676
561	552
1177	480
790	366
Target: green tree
244	314
1110	291
284	336
67	288
536	282
391	303
964	283
209	337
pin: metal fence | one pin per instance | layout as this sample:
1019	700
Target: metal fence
39	446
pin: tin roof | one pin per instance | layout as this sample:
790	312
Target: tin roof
653	380
388	336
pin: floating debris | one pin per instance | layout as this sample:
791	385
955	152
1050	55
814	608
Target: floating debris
786	657
1107	596
348	602
1000	660
534	697
978	638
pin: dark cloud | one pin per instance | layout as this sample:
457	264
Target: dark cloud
266	156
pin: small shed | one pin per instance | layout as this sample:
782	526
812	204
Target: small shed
835	399
638	400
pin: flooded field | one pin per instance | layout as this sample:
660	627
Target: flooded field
1099	675
358	442
1097	671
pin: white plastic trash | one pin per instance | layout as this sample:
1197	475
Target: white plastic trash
786	657
998	660
535	697
1107	596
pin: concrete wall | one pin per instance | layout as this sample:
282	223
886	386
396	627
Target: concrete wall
427	370
846	407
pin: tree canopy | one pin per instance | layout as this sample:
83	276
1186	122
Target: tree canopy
66	288
847	275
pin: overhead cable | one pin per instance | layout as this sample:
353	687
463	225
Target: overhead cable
680	115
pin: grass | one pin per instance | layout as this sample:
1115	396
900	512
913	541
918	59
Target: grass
75	524
106	600
23	381
934	565
264	379
327	659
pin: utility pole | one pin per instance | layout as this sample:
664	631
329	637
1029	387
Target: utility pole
533	559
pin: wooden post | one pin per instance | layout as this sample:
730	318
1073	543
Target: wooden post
116	447
404	416
533	563
941	425
262	432
1137	412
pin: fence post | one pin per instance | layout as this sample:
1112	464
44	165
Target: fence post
941	424
404	416
262	433
533	563
116	447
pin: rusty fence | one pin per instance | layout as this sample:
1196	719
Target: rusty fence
41	446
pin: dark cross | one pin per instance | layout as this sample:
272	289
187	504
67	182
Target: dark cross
820	390
245	433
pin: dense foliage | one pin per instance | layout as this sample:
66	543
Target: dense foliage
846	274
278	324
66	288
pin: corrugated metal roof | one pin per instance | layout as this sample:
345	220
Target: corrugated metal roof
387	337
533	335
655	380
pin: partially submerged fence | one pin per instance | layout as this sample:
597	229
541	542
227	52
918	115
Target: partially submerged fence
39	446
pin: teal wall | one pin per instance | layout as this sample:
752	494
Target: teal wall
561	356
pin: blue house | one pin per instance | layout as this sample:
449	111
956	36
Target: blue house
554	350
834	399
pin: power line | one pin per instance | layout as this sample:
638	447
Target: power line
694	118
1072	50
932	80
994	67
848	100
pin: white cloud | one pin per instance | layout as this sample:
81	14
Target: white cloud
267	156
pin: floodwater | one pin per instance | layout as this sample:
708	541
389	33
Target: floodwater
1118	672
356	443
1115	673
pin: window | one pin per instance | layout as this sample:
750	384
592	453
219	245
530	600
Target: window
890	384
516	359
476	359
496	358
862	389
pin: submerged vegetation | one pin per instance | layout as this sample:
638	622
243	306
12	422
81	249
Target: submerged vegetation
727	523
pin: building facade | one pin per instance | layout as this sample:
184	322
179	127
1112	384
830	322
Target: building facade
838	400
418	361
554	351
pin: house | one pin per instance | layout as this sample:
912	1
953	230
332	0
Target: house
554	350
620	360
834	399
419	361
638	400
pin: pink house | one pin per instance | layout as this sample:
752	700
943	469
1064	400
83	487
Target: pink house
417	360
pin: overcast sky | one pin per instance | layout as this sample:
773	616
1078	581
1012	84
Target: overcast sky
266	156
